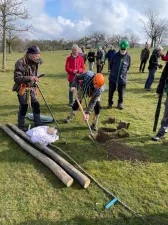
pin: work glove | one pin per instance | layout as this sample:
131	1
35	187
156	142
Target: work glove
34	79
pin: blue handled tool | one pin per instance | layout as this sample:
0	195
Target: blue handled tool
111	203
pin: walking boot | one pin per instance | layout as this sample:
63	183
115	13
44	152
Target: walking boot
37	120
70	117
119	106
21	123
95	122
158	137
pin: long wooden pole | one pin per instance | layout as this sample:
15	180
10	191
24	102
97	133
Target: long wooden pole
57	170
76	174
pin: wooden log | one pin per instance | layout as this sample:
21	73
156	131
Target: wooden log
57	170
76	174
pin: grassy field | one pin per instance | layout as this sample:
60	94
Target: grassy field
30	194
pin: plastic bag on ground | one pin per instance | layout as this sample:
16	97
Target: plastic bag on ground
40	135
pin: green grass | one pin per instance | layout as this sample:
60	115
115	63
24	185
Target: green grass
30	194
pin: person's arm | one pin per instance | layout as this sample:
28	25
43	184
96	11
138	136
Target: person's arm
141	55
67	66
91	104
82	67
77	78
129	64
164	57
19	74
111	62
148	55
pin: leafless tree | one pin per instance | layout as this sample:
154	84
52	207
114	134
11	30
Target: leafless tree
10	12
155	28
108	40
133	39
97	38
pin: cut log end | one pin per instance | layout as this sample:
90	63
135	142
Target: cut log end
87	183
69	183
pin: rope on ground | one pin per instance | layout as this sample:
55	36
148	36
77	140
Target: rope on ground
99	185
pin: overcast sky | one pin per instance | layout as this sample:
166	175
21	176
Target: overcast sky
72	19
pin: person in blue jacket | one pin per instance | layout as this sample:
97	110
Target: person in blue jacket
109	56
119	66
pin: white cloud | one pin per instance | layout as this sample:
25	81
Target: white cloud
110	16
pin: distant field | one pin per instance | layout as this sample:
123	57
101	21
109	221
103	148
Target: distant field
30	194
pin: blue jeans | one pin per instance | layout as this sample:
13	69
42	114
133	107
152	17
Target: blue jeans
150	79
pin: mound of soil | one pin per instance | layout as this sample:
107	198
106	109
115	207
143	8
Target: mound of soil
120	151
106	134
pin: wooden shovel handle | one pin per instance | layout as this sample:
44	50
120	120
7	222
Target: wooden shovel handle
80	106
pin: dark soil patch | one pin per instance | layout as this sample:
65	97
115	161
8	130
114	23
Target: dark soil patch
120	151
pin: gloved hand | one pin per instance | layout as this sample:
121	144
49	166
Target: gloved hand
34	79
160	66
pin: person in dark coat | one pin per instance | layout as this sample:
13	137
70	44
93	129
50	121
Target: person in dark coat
163	86
91	59
109	56
99	59
119	67
144	57
153	65
25	77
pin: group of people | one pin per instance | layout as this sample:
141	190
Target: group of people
98	58
87	84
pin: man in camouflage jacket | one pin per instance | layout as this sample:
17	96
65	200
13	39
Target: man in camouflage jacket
25	77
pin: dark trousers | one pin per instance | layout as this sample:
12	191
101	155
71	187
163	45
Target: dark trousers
70	94
121	90
142	65
97	107
99	68
24	106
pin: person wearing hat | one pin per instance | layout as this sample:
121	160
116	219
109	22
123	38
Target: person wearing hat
92	86
119	66
153	65
25	77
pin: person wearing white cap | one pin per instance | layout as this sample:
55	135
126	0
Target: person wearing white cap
153	65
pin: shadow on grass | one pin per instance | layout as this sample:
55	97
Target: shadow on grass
155	152
157	219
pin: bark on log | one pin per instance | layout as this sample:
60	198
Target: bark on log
76	174
57	170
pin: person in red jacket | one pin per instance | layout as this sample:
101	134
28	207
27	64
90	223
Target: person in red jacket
74	65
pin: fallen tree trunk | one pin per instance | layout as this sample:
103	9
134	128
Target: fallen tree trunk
76	174
57	170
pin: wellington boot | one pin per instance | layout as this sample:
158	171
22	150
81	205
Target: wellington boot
70	117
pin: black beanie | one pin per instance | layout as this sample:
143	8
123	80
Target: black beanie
33	50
